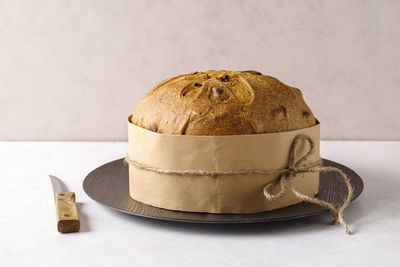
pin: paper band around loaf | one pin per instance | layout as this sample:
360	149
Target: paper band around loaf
223	193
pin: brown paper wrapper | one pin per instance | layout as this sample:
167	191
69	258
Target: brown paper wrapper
224	193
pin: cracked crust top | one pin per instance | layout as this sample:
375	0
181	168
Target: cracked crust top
222	103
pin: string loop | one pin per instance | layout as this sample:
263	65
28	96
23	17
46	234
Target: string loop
294	167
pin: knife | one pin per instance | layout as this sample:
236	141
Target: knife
67	213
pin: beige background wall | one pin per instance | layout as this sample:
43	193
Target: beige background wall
74	70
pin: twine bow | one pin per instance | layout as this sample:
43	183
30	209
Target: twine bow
294	167
285	178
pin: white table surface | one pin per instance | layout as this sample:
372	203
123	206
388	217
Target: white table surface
28	235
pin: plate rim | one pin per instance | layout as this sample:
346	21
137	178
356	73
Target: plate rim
242	221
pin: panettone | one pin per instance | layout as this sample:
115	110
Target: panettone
222	103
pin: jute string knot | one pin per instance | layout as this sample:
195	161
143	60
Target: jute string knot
285	178
294	167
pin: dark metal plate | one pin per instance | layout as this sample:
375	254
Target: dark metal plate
109	185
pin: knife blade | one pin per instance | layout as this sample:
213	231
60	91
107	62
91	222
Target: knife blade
67	213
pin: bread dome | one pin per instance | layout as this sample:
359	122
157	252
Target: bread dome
222	103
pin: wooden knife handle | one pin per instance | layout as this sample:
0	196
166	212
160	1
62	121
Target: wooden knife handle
67	213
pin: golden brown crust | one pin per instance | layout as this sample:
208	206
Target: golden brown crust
222	103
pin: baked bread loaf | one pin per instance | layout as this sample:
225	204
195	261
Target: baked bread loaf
222	103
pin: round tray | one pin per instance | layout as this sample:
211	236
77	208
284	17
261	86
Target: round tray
109	185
